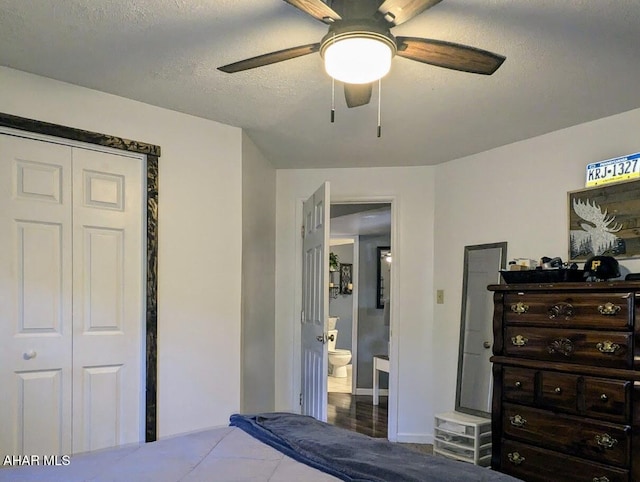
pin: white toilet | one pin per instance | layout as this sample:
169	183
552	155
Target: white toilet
338	359
332	322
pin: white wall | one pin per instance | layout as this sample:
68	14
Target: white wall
412	192
516	193
258	279
200	238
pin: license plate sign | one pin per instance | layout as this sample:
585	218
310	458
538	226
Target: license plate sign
613	170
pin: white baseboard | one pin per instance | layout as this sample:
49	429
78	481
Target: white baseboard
415	438
369	391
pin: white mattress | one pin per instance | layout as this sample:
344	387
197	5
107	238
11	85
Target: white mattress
221	454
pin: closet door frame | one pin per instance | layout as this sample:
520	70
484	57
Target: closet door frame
152	154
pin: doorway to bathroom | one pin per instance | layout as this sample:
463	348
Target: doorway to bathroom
358	233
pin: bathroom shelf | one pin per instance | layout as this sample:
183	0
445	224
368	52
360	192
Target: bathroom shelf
463	437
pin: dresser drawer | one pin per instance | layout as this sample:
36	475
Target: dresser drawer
535	464
598	441
607	399
599	398
600	348
518	384
608	311
559	391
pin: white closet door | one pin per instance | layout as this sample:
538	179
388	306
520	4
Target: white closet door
35	297
71	298
108	303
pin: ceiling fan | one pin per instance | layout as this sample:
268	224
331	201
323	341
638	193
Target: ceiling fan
359	39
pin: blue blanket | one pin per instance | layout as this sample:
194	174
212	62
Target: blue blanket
355	457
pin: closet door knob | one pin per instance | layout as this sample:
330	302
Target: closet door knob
30	354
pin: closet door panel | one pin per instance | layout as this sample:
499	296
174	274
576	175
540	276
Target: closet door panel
103	280
108	303
35	297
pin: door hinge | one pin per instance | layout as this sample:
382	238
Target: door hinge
301	399
302	231
302	316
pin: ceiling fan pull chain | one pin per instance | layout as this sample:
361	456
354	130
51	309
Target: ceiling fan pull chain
333	93
333	100
379	103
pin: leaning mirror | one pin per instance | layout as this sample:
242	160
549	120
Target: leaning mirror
482	265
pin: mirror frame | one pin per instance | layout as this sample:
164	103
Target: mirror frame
503	262
379	288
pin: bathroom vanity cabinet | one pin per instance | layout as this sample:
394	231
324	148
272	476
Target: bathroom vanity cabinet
566	396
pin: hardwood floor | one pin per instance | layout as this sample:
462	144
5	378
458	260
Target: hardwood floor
357	413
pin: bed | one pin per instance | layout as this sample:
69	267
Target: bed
274	447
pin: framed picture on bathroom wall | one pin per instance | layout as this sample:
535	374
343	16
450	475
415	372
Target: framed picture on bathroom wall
605	221
346	278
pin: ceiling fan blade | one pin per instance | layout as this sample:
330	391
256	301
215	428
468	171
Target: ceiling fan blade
270	58
357	94
317	9
399	11
449	55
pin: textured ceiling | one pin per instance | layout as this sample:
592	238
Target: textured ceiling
568	62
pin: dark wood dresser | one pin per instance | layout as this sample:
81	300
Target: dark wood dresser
566	395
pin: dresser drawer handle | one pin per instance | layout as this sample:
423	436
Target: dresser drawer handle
605	440
561	345
518	421
607	347
515	458
604	478
519	340
519	307
518	384
561	309
558	390
609	309
604	397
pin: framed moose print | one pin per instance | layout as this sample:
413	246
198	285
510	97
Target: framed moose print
605	221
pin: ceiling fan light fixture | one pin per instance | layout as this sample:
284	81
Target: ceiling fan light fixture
358	59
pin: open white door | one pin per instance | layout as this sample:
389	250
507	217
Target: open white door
315	303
